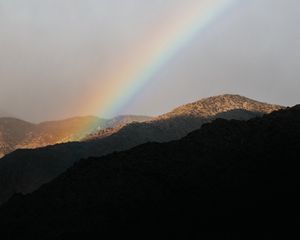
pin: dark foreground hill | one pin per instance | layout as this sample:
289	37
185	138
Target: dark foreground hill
241	175
24	171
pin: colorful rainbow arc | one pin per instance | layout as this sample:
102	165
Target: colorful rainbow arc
127	82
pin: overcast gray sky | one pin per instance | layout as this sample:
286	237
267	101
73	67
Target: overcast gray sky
53	51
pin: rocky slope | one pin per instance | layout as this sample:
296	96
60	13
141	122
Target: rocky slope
189	117
114	125
12	132
26	170
18	134
123	120
241	175
212	106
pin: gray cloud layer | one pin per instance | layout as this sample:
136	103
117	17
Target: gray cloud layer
51	50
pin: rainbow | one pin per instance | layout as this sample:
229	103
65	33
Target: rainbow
151	56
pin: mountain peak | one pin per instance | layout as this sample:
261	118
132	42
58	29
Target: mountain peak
212	106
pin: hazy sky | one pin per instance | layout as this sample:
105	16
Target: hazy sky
53	51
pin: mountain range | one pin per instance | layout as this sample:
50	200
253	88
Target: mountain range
25	170
19	134
229	174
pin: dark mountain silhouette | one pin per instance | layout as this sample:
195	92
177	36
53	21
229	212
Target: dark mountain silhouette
229	174
18	134
23	171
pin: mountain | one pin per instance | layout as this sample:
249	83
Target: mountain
230	174
23	171
212	106
123	120
18	134
12	132
186	118
115	124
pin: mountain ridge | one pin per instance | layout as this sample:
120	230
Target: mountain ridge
23	171
13	137
221	103
227	174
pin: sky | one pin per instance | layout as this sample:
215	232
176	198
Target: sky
57	57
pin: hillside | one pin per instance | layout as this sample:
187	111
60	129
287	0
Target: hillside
211	106
114	125
54	132
12	132
26	170
189	117
18	134
229	174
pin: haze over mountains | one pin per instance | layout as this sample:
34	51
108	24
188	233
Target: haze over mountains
24	171
229	174
4	114
17	134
